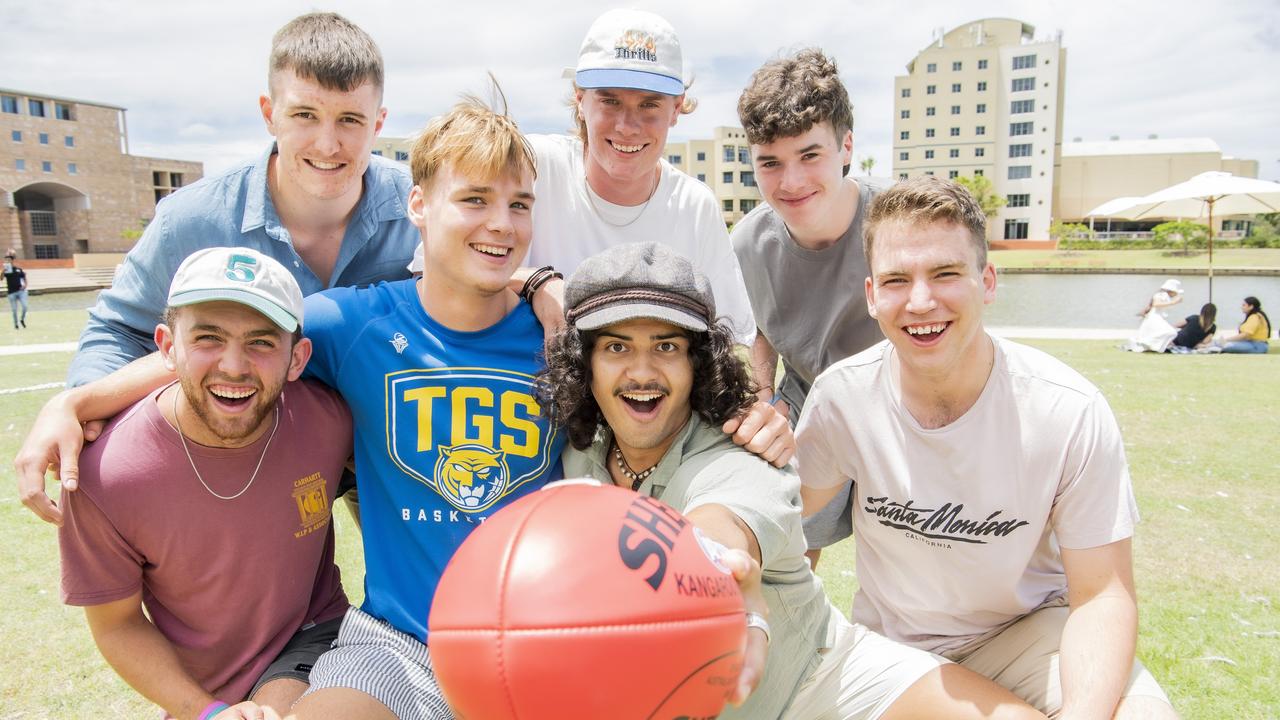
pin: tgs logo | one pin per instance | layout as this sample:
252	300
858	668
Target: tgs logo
471	476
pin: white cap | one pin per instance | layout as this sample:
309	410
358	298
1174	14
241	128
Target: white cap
1172	285
632	50
240	275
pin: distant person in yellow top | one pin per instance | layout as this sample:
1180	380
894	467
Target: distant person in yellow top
1253	332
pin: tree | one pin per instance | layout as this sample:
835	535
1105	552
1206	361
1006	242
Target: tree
866	163
1064	232
982	191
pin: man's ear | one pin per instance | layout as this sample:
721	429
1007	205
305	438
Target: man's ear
871	297
301	354
265	107
417	207
846	148
165	340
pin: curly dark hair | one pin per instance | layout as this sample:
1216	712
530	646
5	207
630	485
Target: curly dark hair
722	387
789	95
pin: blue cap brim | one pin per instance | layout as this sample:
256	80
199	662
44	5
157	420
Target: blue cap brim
628	80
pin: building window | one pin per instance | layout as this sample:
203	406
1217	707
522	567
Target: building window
928	154
930	89
402	156
729	151
69	141
904	156
955	109
1023	84
980	130
1019	172
928	132
175	180
931	67
928	172
9	104
35	108
702	157
1021	150
902	176
45	251
977	173
43	222
673	159
727	205
746	205
982	64
62	111
953	174
702	177
905	114
744	155
19	164
1021	128
727	177
955	87
71	169
46	166
979	152
44	138
955	153
1022	106
748	178
955	132
982	107
1022	62
1019	200
957	65
16	135
1015	229
906	92
928	112
982	86
375	152
904	135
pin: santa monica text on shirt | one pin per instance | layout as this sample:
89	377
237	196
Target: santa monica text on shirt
943	523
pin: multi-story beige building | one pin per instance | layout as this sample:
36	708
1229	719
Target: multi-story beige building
393	148
67	181
1093	173
724	164
986	99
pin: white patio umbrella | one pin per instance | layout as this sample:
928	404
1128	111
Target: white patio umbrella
1204	194
1113	209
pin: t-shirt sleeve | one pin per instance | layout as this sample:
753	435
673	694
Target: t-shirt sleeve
720	264
1094	505
323	324
767	500
98	565
816	459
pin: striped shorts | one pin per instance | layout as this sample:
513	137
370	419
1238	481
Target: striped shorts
393	667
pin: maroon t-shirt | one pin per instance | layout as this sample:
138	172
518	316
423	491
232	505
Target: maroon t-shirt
228	582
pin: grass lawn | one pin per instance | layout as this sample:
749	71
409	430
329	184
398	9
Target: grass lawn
1199	430
1154	259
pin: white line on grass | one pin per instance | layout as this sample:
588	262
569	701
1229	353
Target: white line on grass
43	386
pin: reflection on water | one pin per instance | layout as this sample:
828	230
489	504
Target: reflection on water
1113	301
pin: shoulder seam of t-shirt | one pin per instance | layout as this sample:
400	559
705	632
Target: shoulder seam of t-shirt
351	346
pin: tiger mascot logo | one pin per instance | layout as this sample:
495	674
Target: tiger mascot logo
472	477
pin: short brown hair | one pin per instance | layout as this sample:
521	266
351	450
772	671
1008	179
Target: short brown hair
475	140
687	106
326	48
789	95
923	201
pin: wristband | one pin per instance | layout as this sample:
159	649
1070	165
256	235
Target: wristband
756	620
540	277
212	709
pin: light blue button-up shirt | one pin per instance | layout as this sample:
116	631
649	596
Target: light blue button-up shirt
230	210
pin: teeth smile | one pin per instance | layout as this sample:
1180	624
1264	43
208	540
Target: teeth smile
492	249
926	329
232	393
641	397
325	165
627	148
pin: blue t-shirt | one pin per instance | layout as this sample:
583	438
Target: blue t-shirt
447	431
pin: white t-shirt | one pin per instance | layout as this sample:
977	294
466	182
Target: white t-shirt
568	226
958	528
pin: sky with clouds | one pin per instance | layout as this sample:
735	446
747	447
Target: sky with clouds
190	72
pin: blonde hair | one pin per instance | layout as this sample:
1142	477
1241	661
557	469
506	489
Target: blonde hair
475	140
925	200
687	106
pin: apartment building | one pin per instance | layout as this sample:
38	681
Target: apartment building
724	164
986	98
67	181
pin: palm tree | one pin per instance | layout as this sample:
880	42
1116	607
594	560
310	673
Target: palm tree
866	163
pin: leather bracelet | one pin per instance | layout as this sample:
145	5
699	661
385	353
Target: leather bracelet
540	277
524	289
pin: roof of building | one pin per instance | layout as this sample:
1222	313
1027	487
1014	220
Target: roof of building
1152	146
58	98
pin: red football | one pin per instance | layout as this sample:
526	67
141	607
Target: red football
586	601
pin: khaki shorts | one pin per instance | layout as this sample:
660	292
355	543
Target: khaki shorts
860	675
1024	658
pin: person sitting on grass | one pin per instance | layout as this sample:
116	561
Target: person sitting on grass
1195	332
1155	333
1251	336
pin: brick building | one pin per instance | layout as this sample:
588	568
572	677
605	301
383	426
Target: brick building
67	181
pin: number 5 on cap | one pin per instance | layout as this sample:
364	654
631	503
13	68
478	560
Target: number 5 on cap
240	268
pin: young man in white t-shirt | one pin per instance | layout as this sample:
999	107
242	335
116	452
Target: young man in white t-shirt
992	504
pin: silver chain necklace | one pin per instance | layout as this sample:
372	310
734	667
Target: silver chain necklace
594	208
275	426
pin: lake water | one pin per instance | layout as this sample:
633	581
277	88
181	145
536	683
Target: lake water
1113	301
